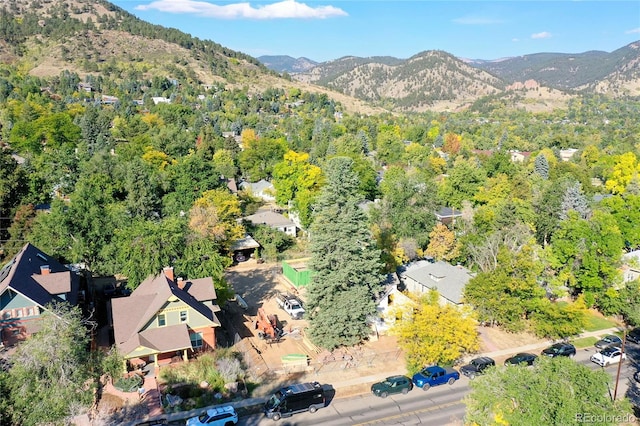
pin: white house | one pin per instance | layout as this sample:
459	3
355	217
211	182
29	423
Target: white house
274	220
261	189
449	280
631	266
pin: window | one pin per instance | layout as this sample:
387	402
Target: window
196	340
162	320
30	312
19	313
183	316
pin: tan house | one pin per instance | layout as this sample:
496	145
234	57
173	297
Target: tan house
165	317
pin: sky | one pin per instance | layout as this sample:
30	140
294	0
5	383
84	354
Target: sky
323	30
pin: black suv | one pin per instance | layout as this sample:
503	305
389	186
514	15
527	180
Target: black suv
477	366
560	349
393	384
634	335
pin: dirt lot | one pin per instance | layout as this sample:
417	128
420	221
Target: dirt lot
257	285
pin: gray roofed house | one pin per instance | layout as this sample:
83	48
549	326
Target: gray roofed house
447	279
446	215
28	284
261	189
165	315
274	220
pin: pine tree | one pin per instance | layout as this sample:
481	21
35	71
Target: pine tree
541	166
345	261
574	199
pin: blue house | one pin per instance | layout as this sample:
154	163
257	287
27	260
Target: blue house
29	284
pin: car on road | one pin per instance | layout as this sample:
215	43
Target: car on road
435	375
477	366
392	385
522	358
560	349
608	340
609	355
219	416
634	335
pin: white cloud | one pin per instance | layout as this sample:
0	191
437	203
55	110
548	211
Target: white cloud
515	40
633	31
543	34
476	20
279	10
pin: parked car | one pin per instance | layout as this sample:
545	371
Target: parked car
560	349
219	416
608	340
293	399
609	355
634	335
477	366
522	358
391	385
434	376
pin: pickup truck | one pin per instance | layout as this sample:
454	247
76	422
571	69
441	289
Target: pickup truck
291	305
434	376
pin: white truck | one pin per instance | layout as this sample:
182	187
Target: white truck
291	305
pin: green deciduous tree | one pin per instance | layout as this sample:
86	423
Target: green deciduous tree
436	333
587	252
555	392
507	294
345	262
52	373
298	181
145	247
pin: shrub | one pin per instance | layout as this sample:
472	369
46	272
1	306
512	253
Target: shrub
128	384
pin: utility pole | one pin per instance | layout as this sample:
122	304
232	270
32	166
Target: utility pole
615	390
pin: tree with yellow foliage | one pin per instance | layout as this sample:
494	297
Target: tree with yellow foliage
436	333
442	243
214	216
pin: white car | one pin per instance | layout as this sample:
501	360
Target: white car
609	355
219	416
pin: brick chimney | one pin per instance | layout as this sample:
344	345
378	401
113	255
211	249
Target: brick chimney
180	283
44	270
168	272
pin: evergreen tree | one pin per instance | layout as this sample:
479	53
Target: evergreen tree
345	261
574	199
541	167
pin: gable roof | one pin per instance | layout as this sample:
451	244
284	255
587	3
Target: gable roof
267	217
131	314
449	280
257	187
39	277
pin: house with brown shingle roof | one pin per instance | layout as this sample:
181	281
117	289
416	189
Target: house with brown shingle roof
29	283
165	317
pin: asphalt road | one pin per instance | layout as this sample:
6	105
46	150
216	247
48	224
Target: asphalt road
438	406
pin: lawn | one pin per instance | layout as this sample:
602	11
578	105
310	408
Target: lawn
584	342
596	322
